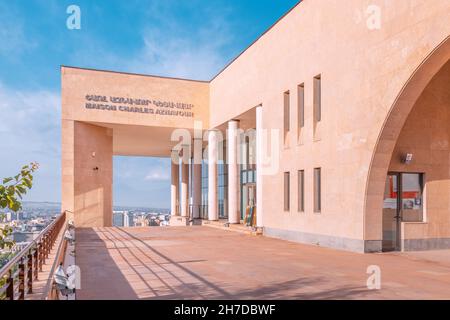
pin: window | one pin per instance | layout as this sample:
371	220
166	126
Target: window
204	206
317	99
301	106
222	190
222	181
317	190
301	191
287	109
412	197
286	191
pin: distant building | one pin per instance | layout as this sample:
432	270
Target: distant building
24	236
141	221
118	219
128	219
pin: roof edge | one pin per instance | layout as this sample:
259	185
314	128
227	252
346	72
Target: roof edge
135	74
257	39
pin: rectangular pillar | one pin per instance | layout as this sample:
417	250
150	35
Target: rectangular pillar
184	189
175	185
259	166
197	178
213	214
233	174
87	166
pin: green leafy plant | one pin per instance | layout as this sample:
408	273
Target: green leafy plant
12	191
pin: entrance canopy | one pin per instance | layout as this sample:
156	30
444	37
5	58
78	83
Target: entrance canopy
142	141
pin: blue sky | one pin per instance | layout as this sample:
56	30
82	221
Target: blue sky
192	39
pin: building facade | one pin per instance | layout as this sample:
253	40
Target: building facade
331	129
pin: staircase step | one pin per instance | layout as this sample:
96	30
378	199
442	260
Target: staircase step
224	225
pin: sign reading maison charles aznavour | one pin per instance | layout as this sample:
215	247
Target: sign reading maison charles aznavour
144	106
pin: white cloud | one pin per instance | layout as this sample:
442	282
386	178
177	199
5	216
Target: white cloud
174	51
180	56
30	131
170	45
27	113
158	174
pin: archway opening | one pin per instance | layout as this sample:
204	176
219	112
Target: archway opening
407	197
141	191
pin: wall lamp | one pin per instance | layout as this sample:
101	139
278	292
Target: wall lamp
408	158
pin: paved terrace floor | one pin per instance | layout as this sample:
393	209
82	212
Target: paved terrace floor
208	263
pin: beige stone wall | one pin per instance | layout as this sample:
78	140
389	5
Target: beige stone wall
363	72
68	167
426	134
87	173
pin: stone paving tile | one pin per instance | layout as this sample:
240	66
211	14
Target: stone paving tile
209	263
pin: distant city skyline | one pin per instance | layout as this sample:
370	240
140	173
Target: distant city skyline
28	204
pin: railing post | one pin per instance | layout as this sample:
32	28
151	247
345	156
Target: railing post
46	244
21	280
41	255
54	292
43	249
36	262
50	241
52	233
10	288
49	244
52	238
30	273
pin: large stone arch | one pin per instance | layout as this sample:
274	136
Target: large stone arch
388	137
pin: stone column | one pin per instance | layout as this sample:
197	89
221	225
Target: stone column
259	166
174	189
213	214
184	189
233	174
197	178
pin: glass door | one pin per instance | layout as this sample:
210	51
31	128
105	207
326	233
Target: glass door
412	189
403	201
391	213
248	198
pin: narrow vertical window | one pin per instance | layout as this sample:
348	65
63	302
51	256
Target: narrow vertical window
301	191
287	108
301	106
317	190
317	98
286	191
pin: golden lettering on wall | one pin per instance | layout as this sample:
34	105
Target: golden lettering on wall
146	106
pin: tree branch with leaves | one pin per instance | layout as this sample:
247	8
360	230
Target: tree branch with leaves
12	191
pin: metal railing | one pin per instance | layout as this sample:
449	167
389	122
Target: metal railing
18	275
52	292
